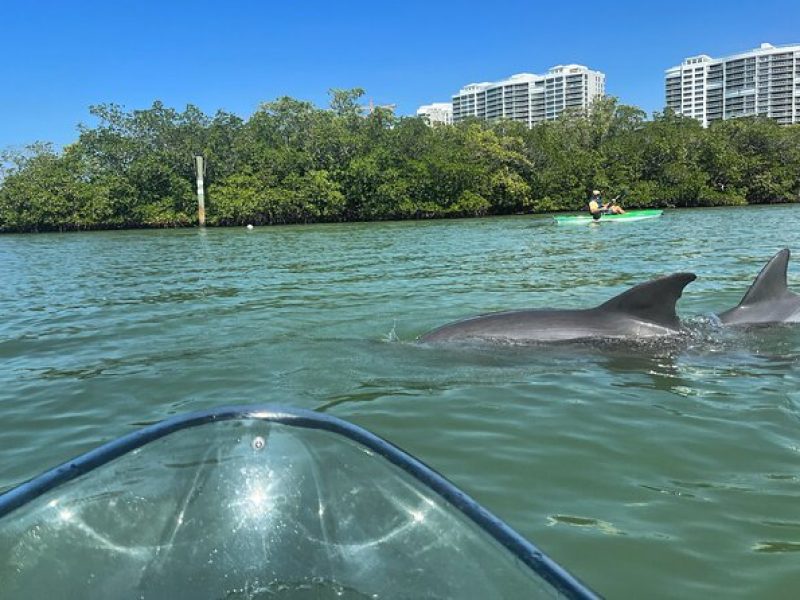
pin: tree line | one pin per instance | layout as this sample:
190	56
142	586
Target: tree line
292	162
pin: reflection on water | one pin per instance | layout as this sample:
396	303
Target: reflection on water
602	526
688	447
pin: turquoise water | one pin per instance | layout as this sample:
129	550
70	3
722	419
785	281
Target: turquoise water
665	470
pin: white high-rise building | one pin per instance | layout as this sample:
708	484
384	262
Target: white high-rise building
438	113
530	98
763	82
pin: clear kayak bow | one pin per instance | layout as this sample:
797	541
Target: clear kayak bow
252	502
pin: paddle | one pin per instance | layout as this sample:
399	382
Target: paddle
619	197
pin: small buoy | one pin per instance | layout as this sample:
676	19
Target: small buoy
249	226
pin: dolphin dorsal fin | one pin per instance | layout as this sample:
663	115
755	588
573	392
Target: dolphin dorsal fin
652	301
771	281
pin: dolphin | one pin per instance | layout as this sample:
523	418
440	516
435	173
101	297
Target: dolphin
644	311
768	300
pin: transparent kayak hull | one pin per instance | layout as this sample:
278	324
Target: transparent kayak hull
626	217
257	503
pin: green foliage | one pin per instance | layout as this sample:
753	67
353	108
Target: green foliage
239	199
291	162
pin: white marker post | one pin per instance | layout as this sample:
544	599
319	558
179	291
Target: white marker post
201	198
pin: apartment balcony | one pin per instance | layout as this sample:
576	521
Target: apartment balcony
739	92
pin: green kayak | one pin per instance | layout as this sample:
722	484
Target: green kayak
631	215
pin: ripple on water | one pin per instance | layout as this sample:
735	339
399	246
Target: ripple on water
664	469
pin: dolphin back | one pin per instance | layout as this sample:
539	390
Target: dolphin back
771	281
768	300
653	301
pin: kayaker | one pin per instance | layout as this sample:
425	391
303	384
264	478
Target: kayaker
598	209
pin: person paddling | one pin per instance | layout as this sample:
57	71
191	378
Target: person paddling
598	209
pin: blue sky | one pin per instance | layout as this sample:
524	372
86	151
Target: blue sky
60	57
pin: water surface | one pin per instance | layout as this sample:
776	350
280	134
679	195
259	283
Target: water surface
663	470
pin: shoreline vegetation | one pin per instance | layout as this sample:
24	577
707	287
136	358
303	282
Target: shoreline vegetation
292	162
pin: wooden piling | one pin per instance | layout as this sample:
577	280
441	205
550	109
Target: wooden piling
201	199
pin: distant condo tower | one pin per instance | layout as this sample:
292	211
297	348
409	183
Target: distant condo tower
438	113
763	82
530	98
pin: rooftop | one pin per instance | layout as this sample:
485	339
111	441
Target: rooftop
524	77
764	48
